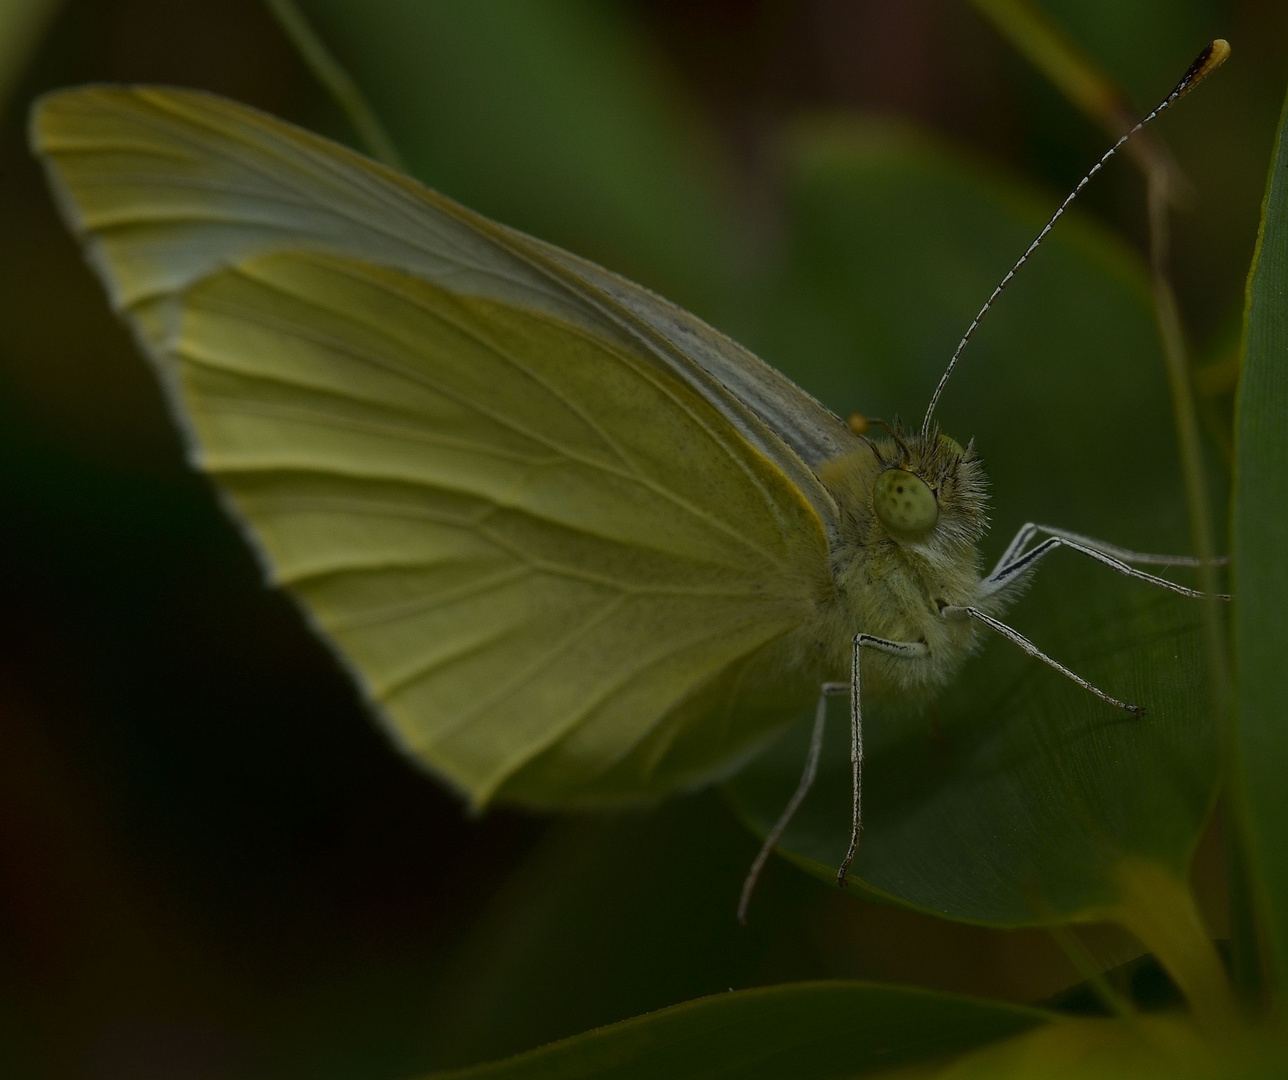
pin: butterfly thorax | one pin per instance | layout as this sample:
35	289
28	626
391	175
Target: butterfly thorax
910	513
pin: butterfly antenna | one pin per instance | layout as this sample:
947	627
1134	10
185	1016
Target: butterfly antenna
1207	62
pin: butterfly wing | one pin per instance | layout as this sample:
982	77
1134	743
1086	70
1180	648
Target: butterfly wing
563	559
812	431
165	184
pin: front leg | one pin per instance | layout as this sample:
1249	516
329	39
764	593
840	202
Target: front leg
1016	562
1017	545
1137	558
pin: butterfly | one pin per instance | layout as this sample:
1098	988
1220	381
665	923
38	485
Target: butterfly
575	546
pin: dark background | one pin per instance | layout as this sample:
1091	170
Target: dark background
211	863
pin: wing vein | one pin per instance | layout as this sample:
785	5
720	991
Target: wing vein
478	524
362	356
629	675
404	609
650	374
503	688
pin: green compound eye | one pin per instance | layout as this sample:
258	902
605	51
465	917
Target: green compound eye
952	444
905	505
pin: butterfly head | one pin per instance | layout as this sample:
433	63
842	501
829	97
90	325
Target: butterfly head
928	486
911	488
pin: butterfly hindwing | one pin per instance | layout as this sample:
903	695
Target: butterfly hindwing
526	542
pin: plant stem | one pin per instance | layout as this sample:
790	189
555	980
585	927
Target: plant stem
1197	503
1083	82
1158	908
338	82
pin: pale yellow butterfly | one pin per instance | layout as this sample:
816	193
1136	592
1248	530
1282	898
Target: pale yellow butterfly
576	546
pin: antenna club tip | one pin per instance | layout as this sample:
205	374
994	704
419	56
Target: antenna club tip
1204	64
857	423
1213	57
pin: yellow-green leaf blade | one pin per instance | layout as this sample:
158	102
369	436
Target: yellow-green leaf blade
1260	569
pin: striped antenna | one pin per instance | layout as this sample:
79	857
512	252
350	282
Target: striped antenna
1207	62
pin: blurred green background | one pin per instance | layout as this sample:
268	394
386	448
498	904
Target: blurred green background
211	863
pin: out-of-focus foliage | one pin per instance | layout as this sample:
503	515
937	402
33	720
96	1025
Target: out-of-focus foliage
21	24
807	1030
566	96
213	865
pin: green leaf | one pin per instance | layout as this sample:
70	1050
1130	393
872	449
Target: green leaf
551	117
1012	797
802	1030
1260	570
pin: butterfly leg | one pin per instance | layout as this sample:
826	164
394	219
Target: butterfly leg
1018	543
1138	558
827	690
907	650
1016	562
1026	646
1031	529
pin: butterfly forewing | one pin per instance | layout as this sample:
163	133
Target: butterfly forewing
553	563
167	185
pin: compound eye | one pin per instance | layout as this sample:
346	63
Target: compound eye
904	503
